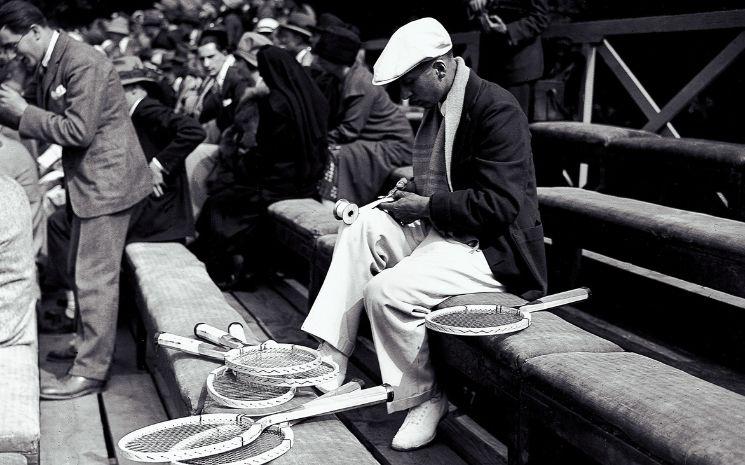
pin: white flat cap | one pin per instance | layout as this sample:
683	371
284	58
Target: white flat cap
410	45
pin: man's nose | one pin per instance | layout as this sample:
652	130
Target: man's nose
405	93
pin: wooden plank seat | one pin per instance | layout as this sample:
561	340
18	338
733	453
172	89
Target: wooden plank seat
624	408
299	222
174	293
490	368
692	174
563	145
700	248
19	394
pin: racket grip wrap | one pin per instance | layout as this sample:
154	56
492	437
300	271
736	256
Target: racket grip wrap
217	336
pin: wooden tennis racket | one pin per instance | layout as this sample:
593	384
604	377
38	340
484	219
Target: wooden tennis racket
326	371
208	435
267	359
487	320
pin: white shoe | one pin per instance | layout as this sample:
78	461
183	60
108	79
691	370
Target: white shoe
329	352
420	426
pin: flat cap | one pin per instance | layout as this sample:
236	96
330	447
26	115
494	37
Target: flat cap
410	45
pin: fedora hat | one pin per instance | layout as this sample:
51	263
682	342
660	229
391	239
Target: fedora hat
302	23
118	25
249	46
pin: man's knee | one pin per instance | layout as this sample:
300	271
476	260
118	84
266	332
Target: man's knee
383	290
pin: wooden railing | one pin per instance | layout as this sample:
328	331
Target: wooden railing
594	36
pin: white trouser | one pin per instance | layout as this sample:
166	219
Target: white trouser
397	273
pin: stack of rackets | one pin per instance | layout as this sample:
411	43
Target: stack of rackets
261	378
236	439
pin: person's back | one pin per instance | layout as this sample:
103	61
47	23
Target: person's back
17	163
16	266
385	121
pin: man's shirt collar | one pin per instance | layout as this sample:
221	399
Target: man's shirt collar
50	49
134	105
220	78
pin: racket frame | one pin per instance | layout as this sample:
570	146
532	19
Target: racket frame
524	311
226	401
287	442
229	357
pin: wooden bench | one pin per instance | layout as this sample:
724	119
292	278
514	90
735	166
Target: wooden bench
174	293
700	248
561	147
693	174
627	408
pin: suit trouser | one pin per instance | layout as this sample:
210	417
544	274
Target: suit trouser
96	250
396	273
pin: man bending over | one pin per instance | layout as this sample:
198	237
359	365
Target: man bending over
468	223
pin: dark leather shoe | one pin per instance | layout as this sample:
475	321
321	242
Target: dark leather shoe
63	355
68	387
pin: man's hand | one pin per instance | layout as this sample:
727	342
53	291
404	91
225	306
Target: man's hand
476	6
159	184
12	104
492	23
407	207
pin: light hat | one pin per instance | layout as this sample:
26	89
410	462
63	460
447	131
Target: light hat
118	25
410	45
249	45
267	25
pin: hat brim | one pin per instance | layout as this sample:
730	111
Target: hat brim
377	82
137	80
251	59
297	29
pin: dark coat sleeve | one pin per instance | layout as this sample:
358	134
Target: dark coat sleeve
183	133
531	25
490	177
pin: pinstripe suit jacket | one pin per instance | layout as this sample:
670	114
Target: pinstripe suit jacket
82	108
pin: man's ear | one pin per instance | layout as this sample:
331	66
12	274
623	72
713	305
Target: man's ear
440	68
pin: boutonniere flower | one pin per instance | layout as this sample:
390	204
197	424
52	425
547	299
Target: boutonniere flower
58	92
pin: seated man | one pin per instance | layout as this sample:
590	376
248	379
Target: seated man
226	84
371	135
468	223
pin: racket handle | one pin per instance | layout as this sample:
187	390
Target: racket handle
335	404
352	386
190	346
556	300
217	336
236	330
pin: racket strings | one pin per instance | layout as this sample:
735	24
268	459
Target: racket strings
232	385
163	440
270	439
273	358
478	318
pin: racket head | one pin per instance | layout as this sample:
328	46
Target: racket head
477	320
324	372
228	388
155	443
272	359
271	443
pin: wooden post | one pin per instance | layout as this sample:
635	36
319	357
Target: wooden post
633	86
710	72
585	98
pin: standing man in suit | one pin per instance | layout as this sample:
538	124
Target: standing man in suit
81	107
511	49
468	222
